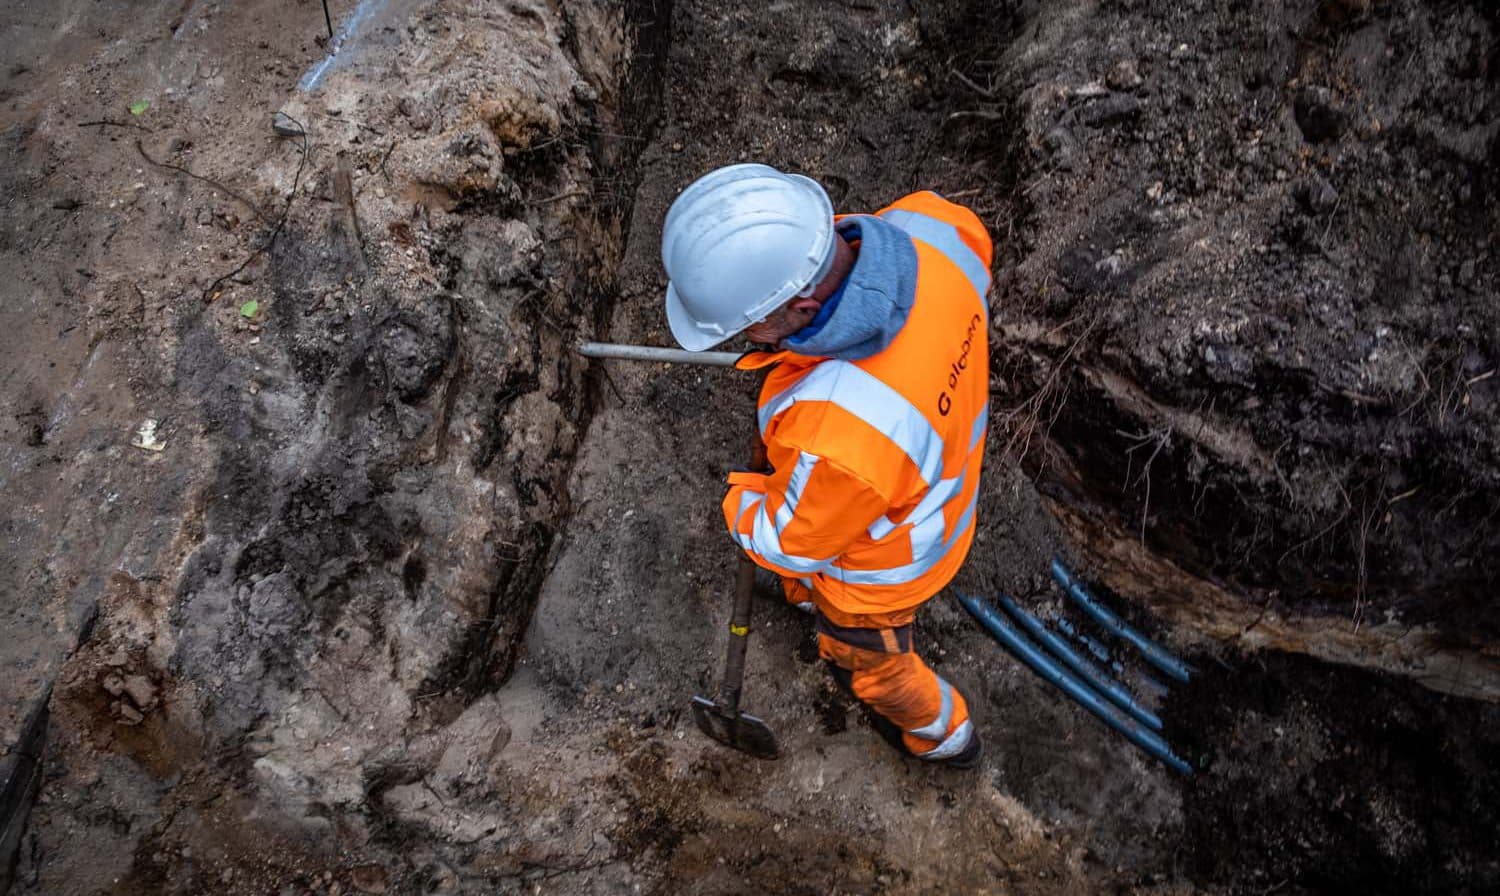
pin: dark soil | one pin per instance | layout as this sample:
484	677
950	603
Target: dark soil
1323	779
1261	245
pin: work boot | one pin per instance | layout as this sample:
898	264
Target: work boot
967	758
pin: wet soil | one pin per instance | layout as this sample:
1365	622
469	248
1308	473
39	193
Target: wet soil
413	599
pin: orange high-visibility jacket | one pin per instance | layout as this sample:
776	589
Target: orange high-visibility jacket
876	462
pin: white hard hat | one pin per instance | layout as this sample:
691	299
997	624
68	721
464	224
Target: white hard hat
739	243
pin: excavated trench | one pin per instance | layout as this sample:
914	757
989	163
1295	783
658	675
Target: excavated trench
1370	765
438	592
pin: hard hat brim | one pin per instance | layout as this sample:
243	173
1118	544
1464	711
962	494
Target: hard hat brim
780	225
684	330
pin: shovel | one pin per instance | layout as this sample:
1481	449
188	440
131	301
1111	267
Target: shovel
721	719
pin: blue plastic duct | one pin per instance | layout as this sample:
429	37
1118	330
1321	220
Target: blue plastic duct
1154	653
1134	679
1038	661
1079	665
1100	652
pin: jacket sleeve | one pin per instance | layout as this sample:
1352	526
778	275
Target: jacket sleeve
798	520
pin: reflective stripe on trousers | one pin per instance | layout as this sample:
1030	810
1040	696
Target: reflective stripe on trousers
891	679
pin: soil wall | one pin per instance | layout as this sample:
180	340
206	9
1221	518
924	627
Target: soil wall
262	615
1253	330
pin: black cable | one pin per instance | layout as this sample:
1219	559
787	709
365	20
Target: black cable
328	19
208	292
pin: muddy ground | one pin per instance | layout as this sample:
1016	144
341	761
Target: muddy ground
400	596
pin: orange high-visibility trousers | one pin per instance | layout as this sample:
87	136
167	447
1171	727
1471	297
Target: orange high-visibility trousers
888	676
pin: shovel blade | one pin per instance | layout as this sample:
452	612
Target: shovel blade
741	731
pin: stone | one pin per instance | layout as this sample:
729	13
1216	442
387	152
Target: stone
1063	149
369	879
1466	272
1109	110
141	691
1316	194
286	126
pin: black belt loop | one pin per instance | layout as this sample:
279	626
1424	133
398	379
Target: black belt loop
879	640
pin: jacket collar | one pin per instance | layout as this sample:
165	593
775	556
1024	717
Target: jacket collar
874	300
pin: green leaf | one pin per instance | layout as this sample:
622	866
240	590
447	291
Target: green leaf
249	308
139	107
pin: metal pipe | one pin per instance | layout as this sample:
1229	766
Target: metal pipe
1154	653
1080	666
1012	639
618	352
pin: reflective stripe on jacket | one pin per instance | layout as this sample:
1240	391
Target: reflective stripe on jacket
877	461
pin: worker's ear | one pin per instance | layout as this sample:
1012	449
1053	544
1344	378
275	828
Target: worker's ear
809	305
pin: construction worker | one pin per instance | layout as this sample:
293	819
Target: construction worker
873	411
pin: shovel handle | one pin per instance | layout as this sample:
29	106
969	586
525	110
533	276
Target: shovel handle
739	619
